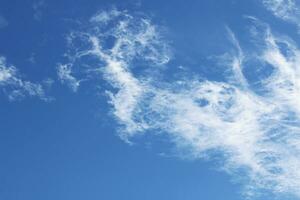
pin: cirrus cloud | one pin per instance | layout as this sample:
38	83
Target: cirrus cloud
14	86
253	125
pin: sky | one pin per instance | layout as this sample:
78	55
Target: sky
152	100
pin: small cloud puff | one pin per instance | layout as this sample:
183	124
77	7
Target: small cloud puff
64	73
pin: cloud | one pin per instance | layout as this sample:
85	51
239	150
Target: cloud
14	86
253	125
64	73
38	7
287	10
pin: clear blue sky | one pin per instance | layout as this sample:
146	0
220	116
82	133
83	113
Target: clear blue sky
199	102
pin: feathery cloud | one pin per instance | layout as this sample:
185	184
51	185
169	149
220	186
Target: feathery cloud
257	133
14	85
64	73
287	10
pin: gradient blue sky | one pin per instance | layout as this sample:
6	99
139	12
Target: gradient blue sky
64	144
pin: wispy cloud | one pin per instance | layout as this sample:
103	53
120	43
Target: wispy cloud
105	16
64	73
287	10
38	7
257	133
14	86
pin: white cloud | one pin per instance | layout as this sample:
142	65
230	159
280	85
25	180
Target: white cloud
257	134
105	16
64	73
236	61
16	87
287	10
133	39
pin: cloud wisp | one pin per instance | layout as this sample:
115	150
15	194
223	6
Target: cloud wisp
255	127
64	73
14	86
38	8
287	10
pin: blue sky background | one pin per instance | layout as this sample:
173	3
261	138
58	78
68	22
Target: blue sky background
67	147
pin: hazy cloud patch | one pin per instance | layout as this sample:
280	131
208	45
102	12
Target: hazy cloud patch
38	7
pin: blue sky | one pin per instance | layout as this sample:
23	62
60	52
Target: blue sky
149	100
